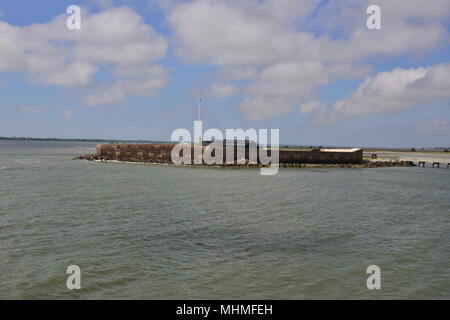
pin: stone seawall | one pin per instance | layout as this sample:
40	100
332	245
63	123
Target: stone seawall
161	153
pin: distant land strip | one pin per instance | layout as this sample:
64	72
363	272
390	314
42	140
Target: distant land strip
304	147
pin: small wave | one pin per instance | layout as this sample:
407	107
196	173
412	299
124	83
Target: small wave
27	161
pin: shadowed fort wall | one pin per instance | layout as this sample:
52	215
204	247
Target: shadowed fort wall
329	157
161	153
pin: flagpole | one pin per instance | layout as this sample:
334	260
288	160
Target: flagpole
199	108
199	116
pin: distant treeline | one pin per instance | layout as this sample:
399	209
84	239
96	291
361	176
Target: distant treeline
79	140
107	141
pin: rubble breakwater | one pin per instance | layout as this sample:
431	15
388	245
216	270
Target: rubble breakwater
159	161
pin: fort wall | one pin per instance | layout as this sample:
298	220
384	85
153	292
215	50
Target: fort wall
161	153
329	157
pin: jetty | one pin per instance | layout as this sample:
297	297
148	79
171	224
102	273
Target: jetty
431	160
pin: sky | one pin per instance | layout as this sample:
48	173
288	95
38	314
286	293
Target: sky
310	68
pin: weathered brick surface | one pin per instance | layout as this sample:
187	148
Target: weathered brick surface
136	152
321	157
162	153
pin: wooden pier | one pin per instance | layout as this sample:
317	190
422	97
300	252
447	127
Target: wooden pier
431	160
433	164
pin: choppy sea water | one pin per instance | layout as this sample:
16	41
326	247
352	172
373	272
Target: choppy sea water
158	232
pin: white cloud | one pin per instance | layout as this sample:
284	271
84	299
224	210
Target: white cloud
116	39
284	49
434	10
291	78
145	82
312	106
74	74
343	16
392	91
233	33
239	73
281	87
238	33
272	44
223	90
257	108
105	94
33	110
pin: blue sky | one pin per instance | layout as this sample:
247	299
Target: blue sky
311	69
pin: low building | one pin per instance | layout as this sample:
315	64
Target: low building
319	156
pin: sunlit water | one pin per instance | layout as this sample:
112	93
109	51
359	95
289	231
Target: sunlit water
158	232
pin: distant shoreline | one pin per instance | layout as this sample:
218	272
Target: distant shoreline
111	141
282	146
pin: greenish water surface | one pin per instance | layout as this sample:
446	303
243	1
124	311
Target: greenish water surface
159	232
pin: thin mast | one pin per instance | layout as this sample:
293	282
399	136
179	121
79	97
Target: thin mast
199	108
